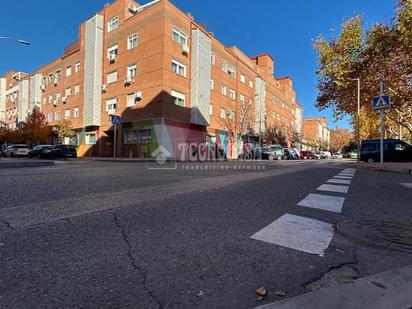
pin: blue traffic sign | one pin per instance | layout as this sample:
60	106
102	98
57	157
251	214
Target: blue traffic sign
116	119
381	102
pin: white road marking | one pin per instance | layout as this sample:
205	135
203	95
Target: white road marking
341	181
299	233
342	177
346	174
323	202
349	170
333	188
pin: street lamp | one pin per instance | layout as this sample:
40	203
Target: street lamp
14	39
358	123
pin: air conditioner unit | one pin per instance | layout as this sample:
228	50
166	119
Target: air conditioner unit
185	50
128	80
138	95
133	9
112	57
64	99
104	88
43	87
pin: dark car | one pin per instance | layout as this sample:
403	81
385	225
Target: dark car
37	150
59	151
394	150
290	154
304	155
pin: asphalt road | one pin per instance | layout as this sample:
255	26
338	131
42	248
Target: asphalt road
117	235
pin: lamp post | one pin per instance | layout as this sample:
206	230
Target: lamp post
358	123
14	39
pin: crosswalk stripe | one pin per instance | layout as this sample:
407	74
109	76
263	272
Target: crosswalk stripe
342	177
333	188
323	202
339	181
299	233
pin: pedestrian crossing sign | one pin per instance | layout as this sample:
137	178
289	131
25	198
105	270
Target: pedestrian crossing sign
381	102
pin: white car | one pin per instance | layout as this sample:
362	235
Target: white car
337	155
327	154
16	150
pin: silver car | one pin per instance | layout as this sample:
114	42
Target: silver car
16	150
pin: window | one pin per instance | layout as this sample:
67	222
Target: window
76	89
179	36
76	112
58	74
211	109
130	137
90	138
50	117
232	72
212	84
67	114
112	52
224	90
50	99
132	41
77	67
58	96
68	92
223	65
178	98
131	70
44	101
231	114
251	83
400	147
44	81
111	104
242	78
112	77
57	115
178	68
222	113
232	94
242	99
144	136
212	58
68	70
113	23
131	100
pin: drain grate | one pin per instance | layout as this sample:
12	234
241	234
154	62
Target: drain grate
386	234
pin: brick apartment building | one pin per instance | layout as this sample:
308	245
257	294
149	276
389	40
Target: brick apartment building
168	78
316	135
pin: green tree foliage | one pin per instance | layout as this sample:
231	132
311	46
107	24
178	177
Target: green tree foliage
383	51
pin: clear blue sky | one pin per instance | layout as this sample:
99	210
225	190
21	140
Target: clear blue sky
284	29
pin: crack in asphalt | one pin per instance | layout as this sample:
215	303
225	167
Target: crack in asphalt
133	261
8	225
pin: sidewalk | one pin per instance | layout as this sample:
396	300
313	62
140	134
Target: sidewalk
387	290
394	167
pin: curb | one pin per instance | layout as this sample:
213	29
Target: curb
4	165
406	171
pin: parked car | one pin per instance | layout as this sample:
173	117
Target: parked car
37	150
16	150
59	151
305	155
353	154
394	150
318	155
337	155
326	154
290	154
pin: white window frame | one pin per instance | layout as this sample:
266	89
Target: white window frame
77	67
67	114
232	94
242	99
179	66
76	112
181	36
68	70
223	90
211	109
212	58
87	138
113	23
130	100
132	41
113	49
212	84
222	113
49	116
111	104
112	77
242	78
68	92
57	116
132	70
180	97
76	89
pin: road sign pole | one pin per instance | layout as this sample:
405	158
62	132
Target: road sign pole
114	141
382	124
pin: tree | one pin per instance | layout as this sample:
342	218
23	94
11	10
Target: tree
339	138
63	130
35	129
384	51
